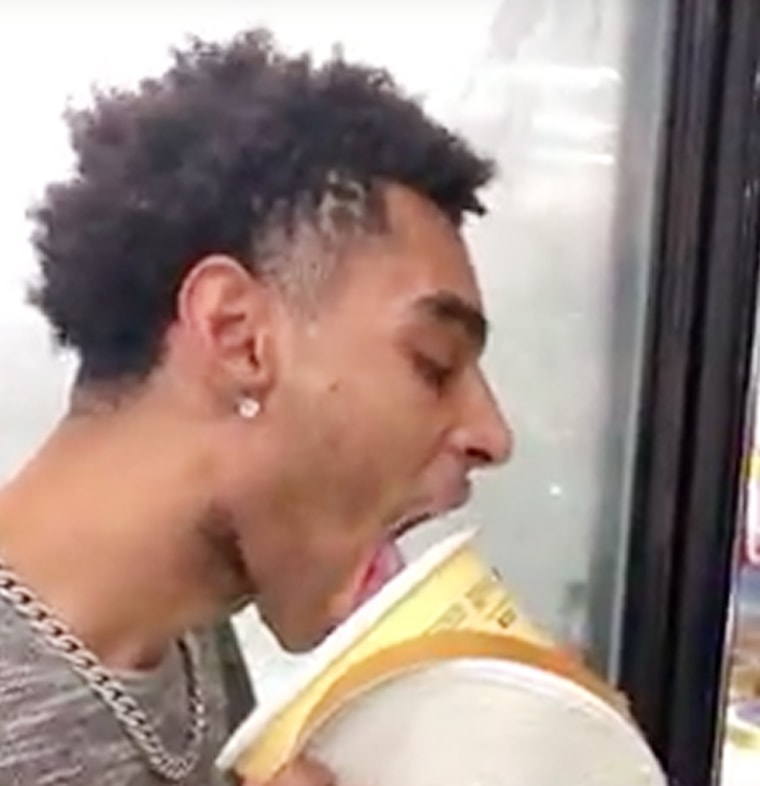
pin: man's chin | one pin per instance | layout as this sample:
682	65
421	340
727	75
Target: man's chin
300	642
241	603
291	634
385	563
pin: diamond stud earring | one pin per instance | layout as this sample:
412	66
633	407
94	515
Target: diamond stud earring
248	407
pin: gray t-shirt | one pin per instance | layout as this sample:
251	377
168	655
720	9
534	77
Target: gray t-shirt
55	731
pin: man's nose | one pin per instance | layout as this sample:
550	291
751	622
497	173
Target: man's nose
485	437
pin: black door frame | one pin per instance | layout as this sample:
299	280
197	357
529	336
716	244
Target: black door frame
694	395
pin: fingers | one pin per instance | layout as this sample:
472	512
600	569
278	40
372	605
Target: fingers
302	772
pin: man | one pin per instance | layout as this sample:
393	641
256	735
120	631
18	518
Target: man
258	262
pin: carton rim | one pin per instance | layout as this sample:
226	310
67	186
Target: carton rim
341	640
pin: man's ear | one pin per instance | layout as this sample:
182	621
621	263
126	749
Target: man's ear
225	315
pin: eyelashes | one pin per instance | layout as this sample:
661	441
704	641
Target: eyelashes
435	374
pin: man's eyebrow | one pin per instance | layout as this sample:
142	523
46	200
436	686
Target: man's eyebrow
448	307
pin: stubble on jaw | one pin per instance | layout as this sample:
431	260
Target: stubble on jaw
220	562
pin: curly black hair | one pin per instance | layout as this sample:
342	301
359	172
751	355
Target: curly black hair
232	143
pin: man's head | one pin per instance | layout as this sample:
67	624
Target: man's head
251	227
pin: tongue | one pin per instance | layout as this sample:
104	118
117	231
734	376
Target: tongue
387	562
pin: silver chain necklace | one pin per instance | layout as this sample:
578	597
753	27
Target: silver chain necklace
134	722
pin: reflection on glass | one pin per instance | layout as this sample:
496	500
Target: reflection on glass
570	103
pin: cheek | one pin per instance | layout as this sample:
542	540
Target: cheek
381	440
402	427
340	443
362	410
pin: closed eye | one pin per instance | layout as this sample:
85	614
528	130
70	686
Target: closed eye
434	373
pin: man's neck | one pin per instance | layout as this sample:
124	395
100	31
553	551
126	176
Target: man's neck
99	525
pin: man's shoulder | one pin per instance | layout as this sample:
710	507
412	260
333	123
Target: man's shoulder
44	706
27	673
55	730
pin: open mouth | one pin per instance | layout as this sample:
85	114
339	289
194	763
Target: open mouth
384	565
410	522
388	559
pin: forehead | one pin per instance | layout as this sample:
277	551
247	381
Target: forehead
419	260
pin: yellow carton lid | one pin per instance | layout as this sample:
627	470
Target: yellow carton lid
484	721
743	724
445	613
